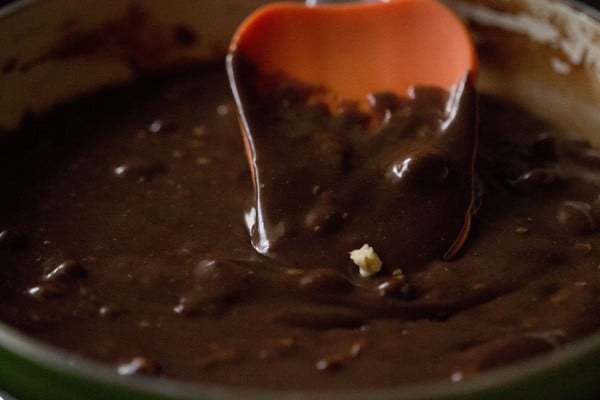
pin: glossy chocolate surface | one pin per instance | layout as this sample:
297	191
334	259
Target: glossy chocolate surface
122	237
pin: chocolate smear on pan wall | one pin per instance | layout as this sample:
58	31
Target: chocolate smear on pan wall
135	38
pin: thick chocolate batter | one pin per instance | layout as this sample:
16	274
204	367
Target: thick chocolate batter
333	174
123	238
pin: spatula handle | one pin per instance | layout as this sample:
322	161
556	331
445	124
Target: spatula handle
312	3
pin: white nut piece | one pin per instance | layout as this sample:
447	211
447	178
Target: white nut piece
367	260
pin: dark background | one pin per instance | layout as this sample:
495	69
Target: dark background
593	3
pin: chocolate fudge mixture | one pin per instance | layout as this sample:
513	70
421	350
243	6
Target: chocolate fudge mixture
123	238
327	184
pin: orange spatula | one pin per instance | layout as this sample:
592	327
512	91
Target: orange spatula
352	50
